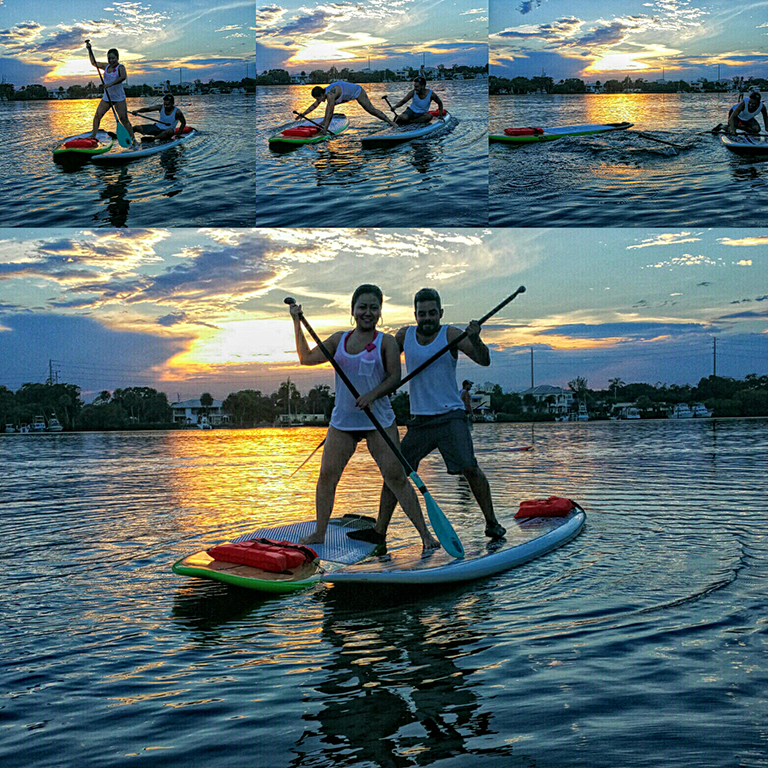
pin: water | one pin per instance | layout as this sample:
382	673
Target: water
207	181
640	643
434	181
621	179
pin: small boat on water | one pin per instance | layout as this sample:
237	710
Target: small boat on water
38	425
681	411
54	425
700	411
630	413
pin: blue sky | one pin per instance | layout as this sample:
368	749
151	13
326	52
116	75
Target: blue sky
298	36
44	42
190	311
592	40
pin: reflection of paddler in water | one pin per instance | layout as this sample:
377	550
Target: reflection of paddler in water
114	93
341	92
168	116
744	115
421	98
371	361
395	672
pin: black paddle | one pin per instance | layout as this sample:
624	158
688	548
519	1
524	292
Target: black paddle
123	137
662	141
309	120
386	98
443	529
463	335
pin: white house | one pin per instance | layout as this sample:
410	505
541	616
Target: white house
190	412
561	402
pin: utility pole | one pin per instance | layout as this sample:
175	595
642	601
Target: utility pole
714	356
531	367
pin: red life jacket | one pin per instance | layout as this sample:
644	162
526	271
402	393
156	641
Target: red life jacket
81	144
267	554
523	131
305	131
554	506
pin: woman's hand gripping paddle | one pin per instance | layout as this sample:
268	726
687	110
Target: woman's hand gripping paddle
442	527
123	137
309	120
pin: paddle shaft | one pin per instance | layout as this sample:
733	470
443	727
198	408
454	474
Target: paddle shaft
386	98
106	93
661	141
310	120
463	335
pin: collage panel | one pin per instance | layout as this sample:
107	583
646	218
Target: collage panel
372	114
333	442
647	115
131	115
576	399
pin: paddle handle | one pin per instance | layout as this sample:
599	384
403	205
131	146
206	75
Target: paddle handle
463	335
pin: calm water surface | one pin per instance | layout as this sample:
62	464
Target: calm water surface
622	179
440	180
641	643
206	181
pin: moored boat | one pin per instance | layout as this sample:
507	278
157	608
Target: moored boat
681	411
700	411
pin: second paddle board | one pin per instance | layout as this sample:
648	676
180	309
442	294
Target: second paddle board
300	132
743	144
144	149
551	134
390	136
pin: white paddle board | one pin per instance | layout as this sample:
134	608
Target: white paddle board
145	148
391	136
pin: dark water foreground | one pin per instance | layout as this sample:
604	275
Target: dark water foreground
641	643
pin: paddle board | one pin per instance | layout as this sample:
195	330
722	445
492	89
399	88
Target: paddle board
337	551
526	539
80	148
279	141
145	148
551	134
390	136
743	144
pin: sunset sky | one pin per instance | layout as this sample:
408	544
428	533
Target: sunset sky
298	36
192	311
44	42
595	40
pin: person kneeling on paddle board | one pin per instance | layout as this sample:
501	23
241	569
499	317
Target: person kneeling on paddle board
165	127
371	361
114	93
341	92
439	414
420	97
744	115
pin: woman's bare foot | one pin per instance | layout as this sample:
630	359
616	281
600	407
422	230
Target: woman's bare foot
313	538
429	546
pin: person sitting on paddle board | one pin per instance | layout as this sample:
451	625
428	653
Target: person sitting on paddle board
341	92
744	115
420	97
371	361
114	77
439	417
169	115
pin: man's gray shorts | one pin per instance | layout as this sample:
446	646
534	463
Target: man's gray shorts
448	432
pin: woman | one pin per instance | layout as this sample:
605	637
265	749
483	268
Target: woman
371	360
114	77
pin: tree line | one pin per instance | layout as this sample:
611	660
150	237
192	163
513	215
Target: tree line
522	85
320	76
146	408
36	92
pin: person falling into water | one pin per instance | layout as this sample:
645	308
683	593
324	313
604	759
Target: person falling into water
439	414
168	116
744	115
114	77
421	98
371	361
341	92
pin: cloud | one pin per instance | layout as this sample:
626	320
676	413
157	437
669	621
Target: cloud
668	238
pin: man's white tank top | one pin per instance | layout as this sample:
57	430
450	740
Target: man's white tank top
419	105
745	113
434	390
366	371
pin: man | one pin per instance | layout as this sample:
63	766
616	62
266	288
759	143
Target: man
439	415
341	92
421	98
744	115
165	127
466	398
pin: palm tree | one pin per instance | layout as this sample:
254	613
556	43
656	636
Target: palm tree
614	385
